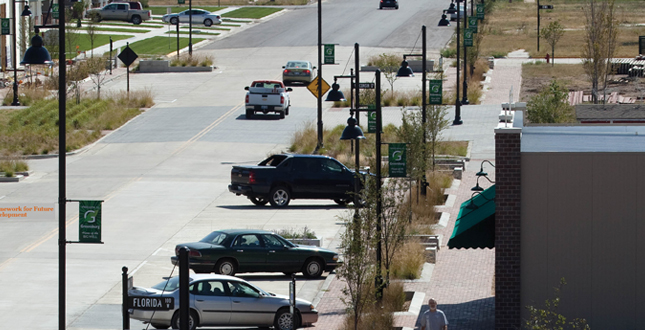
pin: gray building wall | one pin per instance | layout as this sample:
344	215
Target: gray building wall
583	219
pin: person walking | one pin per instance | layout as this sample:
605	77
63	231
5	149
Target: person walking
434	319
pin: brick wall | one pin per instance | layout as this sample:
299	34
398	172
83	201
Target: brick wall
507	228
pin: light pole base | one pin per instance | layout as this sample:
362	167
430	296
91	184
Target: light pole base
464	102
457	122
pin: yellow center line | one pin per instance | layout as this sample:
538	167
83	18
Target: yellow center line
208	128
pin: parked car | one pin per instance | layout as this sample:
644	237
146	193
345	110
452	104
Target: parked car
298	71
284	177
120	11
462	13
232	251
200	16
388	3
267	96
219	300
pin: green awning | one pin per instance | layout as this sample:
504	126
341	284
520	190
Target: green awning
475	225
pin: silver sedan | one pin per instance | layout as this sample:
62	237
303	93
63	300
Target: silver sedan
200	16
220	300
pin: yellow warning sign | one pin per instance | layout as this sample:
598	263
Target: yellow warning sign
313	86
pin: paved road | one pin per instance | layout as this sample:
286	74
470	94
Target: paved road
163	176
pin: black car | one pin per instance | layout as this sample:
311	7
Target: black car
232	251
389	3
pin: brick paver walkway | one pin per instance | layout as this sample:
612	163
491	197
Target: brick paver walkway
462	280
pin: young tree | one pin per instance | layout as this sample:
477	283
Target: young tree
601	30
548	318
436	121
394	221
91	34
551	105
411	132
552	34
97	72
389	65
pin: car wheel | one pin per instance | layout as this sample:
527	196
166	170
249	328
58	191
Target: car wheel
226	267
280	197
208	22
286	111
96	18
174	20
284	321
259	201
313	268
249	114
136	19
159	326
282	114
192	321
397	7
380	7
341	202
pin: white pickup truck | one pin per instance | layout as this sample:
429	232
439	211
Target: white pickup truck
267	96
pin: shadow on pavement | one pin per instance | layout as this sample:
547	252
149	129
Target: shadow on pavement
472	315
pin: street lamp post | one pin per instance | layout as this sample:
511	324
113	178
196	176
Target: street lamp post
464	99
457	120
320	70
14	54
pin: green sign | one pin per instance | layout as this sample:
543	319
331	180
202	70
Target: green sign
472	23
55	11
396	160
436	91
468	37
329	55
371	118
181	2
89	222
479	11
5	26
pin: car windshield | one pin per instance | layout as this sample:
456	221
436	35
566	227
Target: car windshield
297	65
170	284
216	237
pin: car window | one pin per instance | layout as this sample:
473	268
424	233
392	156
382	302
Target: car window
208	288
122	7
170	284
110	7
272	241
239	289
297	65
331	166
249	240
216	237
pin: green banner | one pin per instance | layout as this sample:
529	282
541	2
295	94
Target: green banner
468	37
89	222
181	2
479	11
472	23
396	160
329	55
436	91
5	26
371	118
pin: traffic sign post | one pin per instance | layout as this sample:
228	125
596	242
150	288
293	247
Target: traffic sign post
127	56
366	85
538	20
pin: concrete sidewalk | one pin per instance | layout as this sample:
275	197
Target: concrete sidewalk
462	280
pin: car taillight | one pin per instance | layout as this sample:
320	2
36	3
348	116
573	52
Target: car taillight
307	72
287	71
281	99
247	98
194	253
251	177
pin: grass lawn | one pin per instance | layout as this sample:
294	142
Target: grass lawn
110	29
251	12
159	46
203	28
82	40
177	9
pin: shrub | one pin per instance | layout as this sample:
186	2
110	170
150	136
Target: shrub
409	261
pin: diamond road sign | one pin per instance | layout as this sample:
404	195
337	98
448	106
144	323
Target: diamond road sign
313	86
127	56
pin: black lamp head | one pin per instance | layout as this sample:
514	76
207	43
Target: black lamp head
352	131
444	21
404	70
477	187
26	11
335	94
36	54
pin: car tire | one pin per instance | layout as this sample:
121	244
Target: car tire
282	114
96	18
226	267
159	326
208	22
286	111
397	7
284	321
249	114
313	268
279	197
136	19
380	7
174	20
259	201
192	322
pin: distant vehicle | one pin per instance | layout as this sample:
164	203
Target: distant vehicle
462	13
298	71
218	300
267	96
232	251
281	178
119	11
200	16
388	3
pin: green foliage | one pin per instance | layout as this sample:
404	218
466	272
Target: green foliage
551	106
195	60
158	45
251	12
10	164
552	34
389	65
548	318
293	233
448	53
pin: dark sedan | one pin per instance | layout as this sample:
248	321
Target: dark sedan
234	251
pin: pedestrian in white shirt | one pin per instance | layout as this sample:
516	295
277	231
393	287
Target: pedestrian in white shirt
434	319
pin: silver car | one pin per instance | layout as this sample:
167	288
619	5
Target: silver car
220	300
200	16
298	71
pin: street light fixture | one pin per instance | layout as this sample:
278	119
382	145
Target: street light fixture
457	120
25	12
